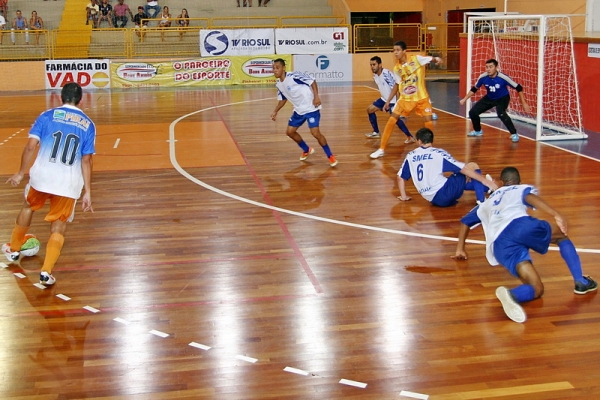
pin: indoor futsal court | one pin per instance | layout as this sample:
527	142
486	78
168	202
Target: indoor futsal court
218	266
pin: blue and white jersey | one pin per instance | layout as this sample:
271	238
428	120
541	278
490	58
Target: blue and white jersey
497	87
385	82
504	206
295	87
426	165
65	135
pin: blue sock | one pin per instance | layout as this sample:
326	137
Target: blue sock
304	146
477	187
523	293
403	127
328	152
373	121
569	254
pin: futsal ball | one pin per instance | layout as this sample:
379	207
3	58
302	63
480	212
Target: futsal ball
434	116
31	246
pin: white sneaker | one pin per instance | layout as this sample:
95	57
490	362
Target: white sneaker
373	135
11	256
47	279
512	309
377	154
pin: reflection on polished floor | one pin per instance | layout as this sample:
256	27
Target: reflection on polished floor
222	267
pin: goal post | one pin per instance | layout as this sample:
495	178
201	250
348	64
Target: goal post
537	52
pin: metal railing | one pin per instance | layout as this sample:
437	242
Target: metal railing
175	41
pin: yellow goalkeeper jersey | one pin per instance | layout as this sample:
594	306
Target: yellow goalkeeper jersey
410	77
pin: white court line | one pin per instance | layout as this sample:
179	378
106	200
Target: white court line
19	275
159	333
62	296
117	143
91	309
296	371
39	286
121	320
199	346
3	265
247	359
184	173
414	395
353	383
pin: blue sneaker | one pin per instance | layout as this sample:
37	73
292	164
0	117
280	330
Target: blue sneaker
475	133
514	137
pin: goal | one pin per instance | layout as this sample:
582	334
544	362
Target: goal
537	52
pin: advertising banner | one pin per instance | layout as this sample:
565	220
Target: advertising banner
311	40
90	74
236	42
325	67
234	70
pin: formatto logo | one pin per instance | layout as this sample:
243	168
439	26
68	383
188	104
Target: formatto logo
322	62
216	43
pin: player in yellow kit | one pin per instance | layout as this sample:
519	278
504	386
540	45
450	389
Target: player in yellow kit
409	73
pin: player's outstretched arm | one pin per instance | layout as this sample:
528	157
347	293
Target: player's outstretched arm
315	89
524	102
461	253
402	185
277	108
27	158
86	168
539	204
478	177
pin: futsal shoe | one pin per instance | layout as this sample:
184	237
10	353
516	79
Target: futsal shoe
304	156
512	309
333	161
373	135
377	154
514	137
489	177
11	256
410	140
475	134
47	279
581	288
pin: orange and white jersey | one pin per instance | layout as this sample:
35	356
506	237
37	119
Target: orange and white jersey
410	77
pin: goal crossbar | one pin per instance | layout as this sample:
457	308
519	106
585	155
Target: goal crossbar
536	51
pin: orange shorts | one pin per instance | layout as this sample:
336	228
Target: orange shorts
61	208
422	107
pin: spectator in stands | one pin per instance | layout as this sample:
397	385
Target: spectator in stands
19	23
92	9
165	18
165	22
3	9
36	24
264	2
2	25
152	5
183	21
106	13
140	20
120	12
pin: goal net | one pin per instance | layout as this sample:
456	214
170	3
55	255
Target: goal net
537	52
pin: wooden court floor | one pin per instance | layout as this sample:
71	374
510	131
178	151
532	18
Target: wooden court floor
221	267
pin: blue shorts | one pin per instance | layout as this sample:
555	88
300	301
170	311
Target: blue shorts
452	190
313	119
379	103
512	246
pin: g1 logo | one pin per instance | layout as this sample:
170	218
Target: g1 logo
338	35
